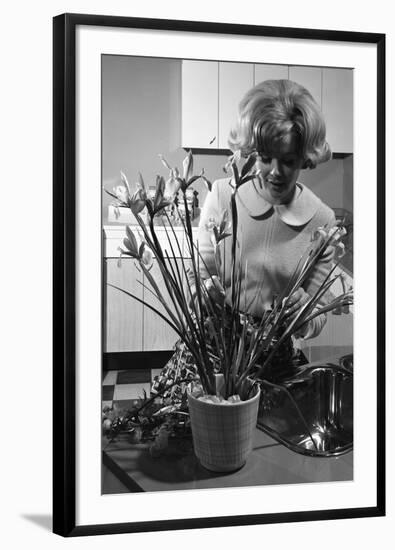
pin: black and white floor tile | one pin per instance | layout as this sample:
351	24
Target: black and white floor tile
124	388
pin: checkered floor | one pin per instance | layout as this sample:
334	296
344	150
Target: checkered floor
125	387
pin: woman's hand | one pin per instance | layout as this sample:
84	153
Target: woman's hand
296	301
214	289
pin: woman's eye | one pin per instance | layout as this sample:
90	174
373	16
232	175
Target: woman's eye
289	162
263	158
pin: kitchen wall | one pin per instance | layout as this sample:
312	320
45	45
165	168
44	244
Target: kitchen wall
142	118
332	182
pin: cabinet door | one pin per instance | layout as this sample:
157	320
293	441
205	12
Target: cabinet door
200	104
157	335
337	106
310	78
234	81
269	72
336	338
123	315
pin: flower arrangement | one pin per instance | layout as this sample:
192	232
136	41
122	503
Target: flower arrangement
218	334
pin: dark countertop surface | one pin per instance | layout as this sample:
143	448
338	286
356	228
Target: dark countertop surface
178	469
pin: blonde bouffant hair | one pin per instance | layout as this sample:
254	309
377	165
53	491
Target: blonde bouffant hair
274	109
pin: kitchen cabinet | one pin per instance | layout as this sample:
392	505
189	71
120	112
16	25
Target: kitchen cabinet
269	72
212	90
123	315
336	336
310	78
235	79
337	107
200	104
129	324
157	335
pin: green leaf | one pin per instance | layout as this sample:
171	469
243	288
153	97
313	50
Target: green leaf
224	221
124	180
248	165
164	162
223	236
192	180
141	249
126	252
235	171
160	189
128	245
247	178
111	194
188	166
141	181
207	182
132	242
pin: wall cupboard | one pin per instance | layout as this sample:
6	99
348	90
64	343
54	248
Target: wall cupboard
270	72
200	104
310	78
211	92
337	106
235	79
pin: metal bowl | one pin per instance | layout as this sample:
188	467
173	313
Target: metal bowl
312	412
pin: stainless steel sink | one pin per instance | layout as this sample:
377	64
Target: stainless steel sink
311	412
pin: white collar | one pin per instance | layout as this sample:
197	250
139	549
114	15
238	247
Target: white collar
299	211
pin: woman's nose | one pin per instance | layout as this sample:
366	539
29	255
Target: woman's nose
275	167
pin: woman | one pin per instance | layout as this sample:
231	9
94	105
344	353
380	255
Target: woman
283	126
279	121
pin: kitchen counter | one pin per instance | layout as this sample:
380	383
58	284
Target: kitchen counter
178	469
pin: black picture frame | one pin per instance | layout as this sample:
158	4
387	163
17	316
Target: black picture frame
64	272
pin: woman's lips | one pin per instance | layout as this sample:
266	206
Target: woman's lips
276	184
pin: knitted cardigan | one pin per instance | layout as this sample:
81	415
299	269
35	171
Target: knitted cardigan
272	239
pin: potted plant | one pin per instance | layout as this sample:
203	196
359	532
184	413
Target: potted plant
224	342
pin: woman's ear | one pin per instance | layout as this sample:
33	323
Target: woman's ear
307	164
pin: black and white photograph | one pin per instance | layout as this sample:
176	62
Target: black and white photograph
227	274
219	287
197	300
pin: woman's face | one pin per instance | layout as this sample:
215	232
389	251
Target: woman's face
279	171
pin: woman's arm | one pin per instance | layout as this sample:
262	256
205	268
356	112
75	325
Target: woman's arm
322	268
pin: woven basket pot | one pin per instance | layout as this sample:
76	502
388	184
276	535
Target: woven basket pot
223	434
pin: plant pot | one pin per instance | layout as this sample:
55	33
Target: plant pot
223	434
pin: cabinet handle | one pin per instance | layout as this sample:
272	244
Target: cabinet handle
212	141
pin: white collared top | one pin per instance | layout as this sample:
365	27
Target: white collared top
271	240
